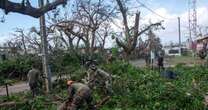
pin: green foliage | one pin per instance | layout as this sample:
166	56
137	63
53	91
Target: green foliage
136	89
10	98
59	83
17	67
64	63
24	102
99	57
141	89
4	82
115	51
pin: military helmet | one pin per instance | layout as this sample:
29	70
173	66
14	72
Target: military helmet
91	63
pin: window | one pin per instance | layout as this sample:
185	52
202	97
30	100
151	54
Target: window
173	51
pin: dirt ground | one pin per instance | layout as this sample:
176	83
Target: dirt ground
19	87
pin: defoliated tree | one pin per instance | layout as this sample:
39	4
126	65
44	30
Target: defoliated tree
131	34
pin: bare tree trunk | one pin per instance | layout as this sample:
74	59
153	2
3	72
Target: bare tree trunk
93	42
71	45
78	41
24	46
88	49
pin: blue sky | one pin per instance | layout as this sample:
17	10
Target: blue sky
169	7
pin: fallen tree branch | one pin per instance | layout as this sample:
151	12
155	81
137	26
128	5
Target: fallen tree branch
7	104
11	104
9	6
102	102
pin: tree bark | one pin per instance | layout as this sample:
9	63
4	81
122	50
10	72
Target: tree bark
92	47
24	46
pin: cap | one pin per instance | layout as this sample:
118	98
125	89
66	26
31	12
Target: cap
69	82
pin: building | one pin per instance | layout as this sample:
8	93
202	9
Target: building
174	49
202	42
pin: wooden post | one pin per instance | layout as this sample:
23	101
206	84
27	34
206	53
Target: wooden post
44	49
7	90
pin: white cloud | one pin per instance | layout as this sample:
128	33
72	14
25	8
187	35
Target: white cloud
4	38
170	34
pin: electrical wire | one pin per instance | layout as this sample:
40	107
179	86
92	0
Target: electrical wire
151	10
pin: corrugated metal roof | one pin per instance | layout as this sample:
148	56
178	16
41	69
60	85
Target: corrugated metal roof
202	38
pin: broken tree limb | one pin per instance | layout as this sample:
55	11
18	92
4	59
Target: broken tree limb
11	104
7	104
58	98
102	102
67	104
9	6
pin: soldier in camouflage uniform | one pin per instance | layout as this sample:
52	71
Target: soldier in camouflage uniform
78	95
33	78
97	78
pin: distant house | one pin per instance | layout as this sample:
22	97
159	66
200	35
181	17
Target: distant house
171	51
202	42
174	50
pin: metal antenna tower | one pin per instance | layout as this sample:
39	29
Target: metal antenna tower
192	19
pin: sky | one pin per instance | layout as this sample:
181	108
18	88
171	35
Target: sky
169	11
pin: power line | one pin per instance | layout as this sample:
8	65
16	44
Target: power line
142	4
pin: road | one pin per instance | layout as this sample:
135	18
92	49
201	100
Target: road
19	87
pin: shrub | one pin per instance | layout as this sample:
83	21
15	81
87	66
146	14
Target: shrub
17	67
143	89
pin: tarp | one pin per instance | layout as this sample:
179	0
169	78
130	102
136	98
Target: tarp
168	74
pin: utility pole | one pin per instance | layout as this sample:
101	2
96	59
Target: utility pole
44	45
179	34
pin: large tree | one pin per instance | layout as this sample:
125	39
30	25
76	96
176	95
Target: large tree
131	34
86	22
154	43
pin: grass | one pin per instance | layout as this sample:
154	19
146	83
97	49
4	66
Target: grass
184	60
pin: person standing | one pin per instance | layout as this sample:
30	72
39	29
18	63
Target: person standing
160	62
33	78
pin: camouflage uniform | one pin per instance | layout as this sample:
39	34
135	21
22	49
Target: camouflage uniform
80	93
100	79
33	77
